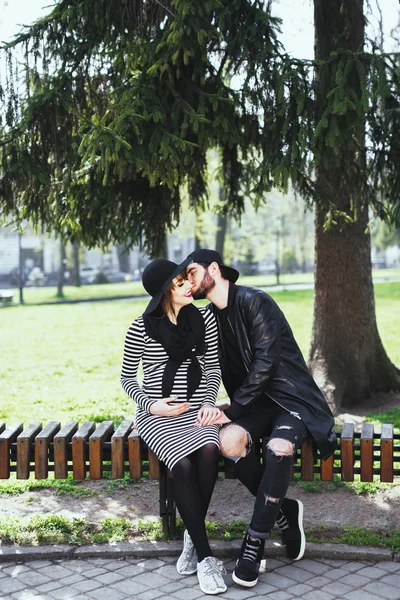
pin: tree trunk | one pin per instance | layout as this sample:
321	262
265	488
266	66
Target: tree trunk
63	262
123	259
75	250
347	357
222	225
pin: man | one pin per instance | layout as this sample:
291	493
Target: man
272	393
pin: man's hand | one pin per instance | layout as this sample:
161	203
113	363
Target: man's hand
207	415
222	420
162	408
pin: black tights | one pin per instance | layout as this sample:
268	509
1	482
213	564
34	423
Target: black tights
194	480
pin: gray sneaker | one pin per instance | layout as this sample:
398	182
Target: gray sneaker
209	574
187	562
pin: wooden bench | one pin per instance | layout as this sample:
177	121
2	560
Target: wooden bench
95	450
6	296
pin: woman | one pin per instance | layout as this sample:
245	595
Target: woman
178	346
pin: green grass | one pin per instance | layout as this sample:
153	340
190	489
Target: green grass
63	362
56	529
33	295
70	486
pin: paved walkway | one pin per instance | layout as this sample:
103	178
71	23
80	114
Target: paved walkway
114	578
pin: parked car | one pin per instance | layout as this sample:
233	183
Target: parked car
115	276
88	274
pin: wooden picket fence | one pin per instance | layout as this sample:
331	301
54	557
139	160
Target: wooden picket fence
98	450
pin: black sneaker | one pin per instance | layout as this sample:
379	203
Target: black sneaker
290	522
248	563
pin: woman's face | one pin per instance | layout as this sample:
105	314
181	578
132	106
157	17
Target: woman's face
181	292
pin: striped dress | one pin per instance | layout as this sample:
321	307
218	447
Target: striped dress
171	438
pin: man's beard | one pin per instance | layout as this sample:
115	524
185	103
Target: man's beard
206	285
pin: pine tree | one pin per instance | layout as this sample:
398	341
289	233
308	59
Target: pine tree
122	100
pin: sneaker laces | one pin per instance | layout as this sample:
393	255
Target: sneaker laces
213	565
251	548
282	522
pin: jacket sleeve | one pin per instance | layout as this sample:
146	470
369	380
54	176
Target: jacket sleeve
133	352
211	360
263	321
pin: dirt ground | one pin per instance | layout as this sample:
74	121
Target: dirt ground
231	501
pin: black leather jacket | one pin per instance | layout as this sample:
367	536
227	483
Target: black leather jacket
275	366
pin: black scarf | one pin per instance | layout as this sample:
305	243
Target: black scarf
181	342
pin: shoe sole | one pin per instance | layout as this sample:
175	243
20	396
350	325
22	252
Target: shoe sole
248	584
303	537
214	593
187	572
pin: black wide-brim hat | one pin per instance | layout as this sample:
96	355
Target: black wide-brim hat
157	276
203	255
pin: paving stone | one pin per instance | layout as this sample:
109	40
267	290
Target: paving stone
393	580
279	581
337	588
318	595
95	572
62	594
360	595
77	565
187	593
39	564
336	574
8	586
72	579
355	580
354	566
33	579
109	578
372	572
314	566
87	585
300	589
132	571
383	590
280	596
293	573
238	593
15	569
263	588
25	595
130	586
272	563
175	586
150	595
56	571
334	562
169	571
152	563
320	581
152	580
389	566
109	593
48	587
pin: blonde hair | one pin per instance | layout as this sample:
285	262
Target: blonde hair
166	303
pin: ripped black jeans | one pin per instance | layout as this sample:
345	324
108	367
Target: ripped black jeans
270	480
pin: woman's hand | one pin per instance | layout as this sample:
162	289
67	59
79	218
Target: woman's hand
207	415
162	408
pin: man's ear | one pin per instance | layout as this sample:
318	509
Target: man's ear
213	268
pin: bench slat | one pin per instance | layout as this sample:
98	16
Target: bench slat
347	452
24	445
79	446
42	442
135	455
118	449
7	437
387	453
61	443
367	452
154	465
96	440
307	460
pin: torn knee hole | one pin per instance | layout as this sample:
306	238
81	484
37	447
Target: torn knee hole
281	447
